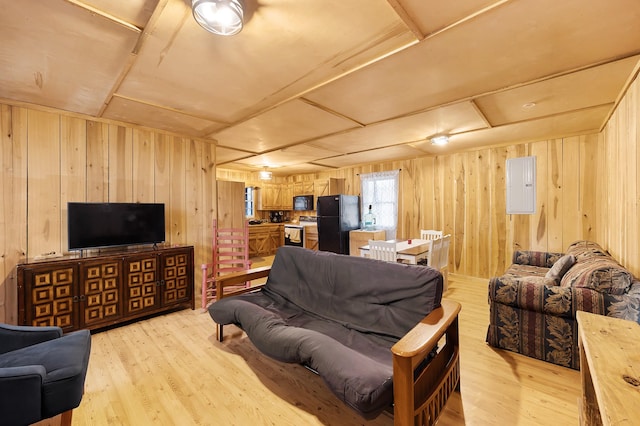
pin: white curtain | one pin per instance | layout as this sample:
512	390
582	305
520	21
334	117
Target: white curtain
380	190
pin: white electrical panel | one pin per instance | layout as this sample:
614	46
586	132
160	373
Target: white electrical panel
521	185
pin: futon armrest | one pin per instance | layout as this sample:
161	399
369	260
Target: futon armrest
236	278
423	390
14	337
422	338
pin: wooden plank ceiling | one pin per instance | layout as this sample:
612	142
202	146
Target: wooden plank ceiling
310	85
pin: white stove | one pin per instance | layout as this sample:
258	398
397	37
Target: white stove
294	232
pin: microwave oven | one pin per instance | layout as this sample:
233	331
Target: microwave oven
303	202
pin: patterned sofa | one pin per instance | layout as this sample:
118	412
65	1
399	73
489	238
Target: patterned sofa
533	305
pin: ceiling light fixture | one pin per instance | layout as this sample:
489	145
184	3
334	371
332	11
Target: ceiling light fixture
265	174
440	140
222	17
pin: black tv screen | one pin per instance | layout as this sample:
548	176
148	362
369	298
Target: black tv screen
94	225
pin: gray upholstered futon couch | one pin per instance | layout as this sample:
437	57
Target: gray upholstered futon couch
345	318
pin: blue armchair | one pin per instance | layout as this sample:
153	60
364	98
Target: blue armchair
42	372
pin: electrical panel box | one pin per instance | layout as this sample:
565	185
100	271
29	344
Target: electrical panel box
521	185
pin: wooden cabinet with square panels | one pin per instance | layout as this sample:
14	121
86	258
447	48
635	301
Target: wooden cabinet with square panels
103	290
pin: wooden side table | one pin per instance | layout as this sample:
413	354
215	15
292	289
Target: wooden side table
610	370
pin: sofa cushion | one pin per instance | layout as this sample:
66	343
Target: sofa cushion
560	268
596	269
583	249
516	270
537	280
369	296
604	275
536	258
357	367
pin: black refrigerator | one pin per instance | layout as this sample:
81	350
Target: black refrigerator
337	215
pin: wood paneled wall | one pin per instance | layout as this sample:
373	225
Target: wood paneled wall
464	194
49	159
618	187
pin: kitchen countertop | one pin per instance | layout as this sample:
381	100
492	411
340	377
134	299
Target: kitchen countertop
304	224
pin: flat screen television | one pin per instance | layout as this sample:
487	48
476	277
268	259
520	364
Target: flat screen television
96	225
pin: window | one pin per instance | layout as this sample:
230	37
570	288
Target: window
380	190
249	202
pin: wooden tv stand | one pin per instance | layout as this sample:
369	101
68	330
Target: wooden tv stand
106	289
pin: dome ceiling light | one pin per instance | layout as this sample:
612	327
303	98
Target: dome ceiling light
222	17
265	174
440	140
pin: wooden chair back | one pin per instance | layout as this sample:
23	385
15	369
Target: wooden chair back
230	253
430	234
383	250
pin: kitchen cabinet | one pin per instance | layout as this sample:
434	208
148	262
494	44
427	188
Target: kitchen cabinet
265	239
329	186
311	237
303	188
270	196
286	198
275	196
279	196
98	291
359	238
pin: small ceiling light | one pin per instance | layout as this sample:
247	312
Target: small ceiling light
440	140
528	105
222	17
265	174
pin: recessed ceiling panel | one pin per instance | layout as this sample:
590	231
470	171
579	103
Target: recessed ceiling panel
392	153
291	122
136	12
289	156
301	169
56	54
434	15
286	47
225	155
594	86
517	42
451	119
159	118
575	123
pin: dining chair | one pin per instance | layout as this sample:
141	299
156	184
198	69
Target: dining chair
383	250
430	234
433	257
443	259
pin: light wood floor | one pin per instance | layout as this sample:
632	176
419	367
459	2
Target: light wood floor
170	370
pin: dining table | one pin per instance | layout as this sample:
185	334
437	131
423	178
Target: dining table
410	251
